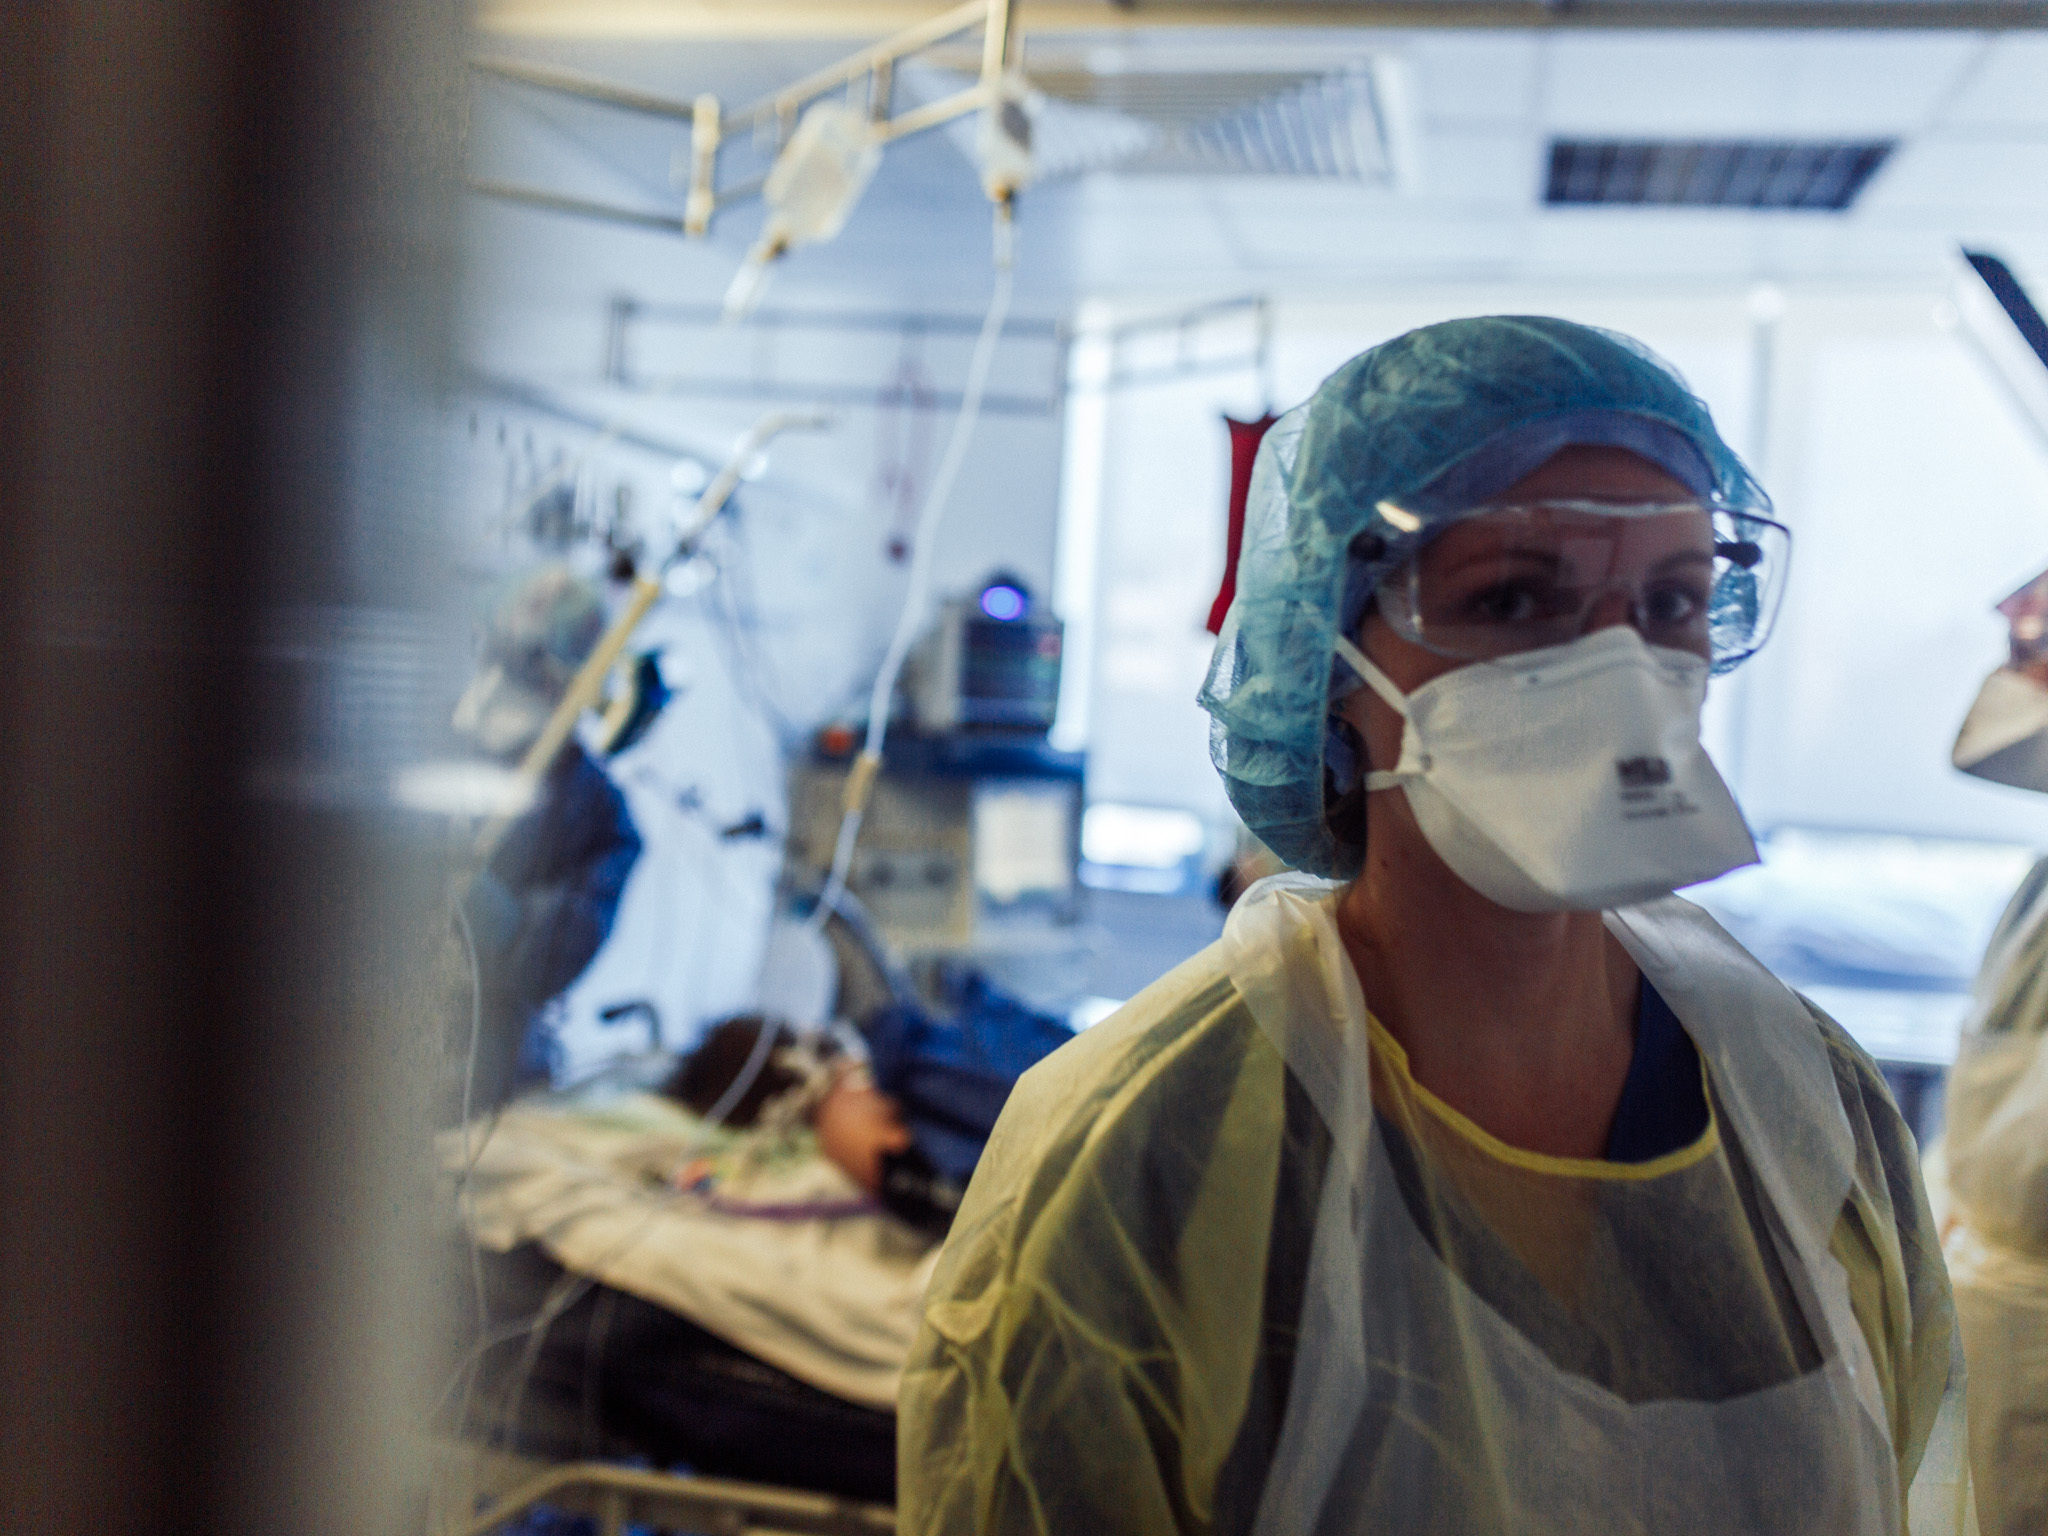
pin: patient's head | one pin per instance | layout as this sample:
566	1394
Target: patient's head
711	1075
858	1126
793	1075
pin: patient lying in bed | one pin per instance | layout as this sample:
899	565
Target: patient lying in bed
749	1072
731	1252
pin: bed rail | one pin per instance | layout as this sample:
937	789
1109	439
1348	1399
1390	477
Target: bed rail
619	1497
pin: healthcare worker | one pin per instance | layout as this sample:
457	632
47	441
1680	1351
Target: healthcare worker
544	902
1477	1185
1995	1148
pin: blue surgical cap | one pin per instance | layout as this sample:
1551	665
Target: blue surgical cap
1428	426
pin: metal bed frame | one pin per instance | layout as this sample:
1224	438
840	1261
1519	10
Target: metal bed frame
497	1487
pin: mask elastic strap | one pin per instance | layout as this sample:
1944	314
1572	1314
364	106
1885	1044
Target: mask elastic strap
1382	685
1373	677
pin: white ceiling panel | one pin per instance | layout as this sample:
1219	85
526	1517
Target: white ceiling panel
1474	77
1123	198
1834	85
1600	242
1793	245
1956	172
1117	251
1467	165
2009	88
1253	199
1450	248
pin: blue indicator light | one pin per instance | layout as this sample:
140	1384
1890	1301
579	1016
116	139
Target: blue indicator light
1003	603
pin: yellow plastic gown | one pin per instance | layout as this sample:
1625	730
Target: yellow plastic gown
1997	1172
1110	1341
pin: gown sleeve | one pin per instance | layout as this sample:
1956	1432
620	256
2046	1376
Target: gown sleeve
1091	1335
1887	1242
1996	1143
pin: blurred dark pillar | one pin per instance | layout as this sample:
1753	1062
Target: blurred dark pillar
224	273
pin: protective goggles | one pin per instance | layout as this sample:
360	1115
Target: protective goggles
1505	579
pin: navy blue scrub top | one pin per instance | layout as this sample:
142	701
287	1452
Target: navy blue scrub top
1664	1101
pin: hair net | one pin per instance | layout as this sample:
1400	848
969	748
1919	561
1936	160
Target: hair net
1428	426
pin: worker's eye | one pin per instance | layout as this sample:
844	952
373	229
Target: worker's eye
1508	602
1673	605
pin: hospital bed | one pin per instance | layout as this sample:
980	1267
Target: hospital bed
617	1376
751	1336
504	1489
631	1312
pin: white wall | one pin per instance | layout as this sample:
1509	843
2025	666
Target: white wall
1918	499
1165	482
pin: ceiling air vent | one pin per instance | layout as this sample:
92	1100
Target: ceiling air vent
1337	124
1154	112
1806	174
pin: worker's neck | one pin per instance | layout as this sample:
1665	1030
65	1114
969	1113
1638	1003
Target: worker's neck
1524	1021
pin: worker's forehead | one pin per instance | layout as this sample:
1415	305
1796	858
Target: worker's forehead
1597	472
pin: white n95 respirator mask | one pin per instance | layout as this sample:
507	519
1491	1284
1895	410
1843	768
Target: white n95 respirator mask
1567	778
2005	735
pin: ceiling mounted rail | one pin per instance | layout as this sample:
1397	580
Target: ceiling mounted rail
582	207
877	63
867	77
570	82
789	19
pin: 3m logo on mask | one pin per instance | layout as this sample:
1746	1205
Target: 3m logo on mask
1643	772
1648	792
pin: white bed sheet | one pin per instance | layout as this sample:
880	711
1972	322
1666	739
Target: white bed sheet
833	1300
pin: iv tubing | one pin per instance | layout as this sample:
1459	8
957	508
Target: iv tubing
860	781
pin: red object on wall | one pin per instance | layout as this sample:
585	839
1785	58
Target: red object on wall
1245	437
